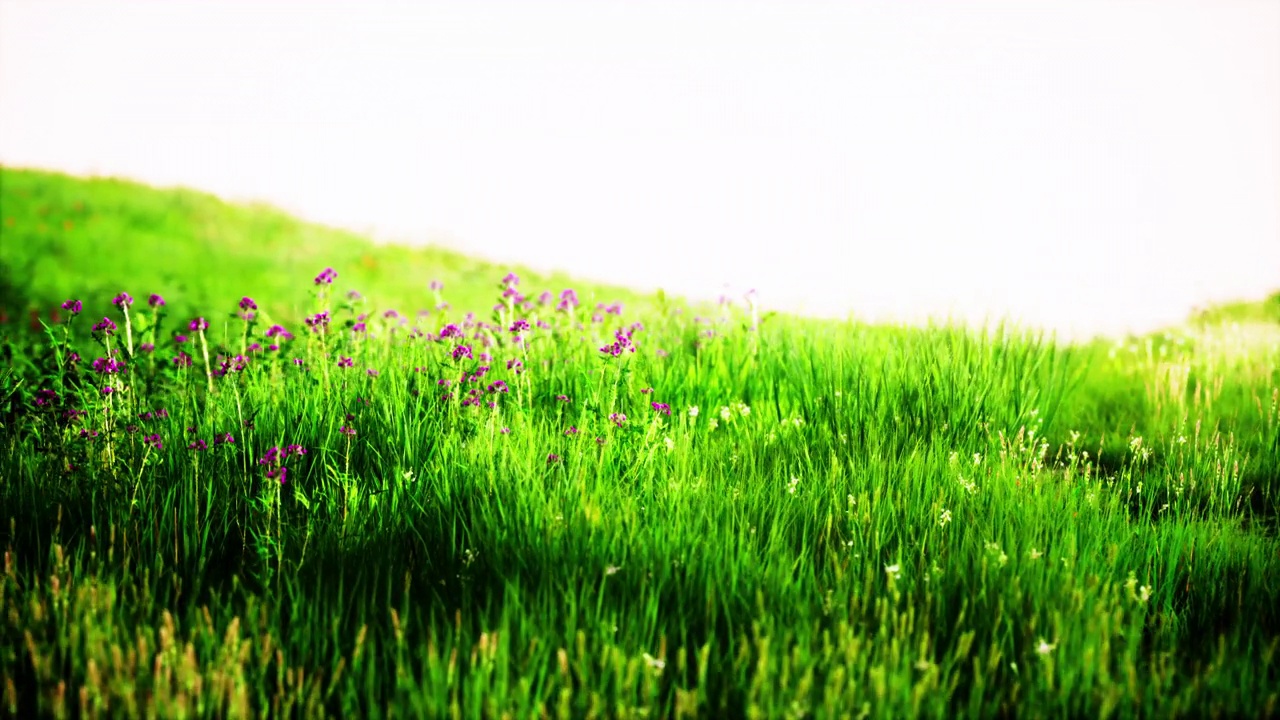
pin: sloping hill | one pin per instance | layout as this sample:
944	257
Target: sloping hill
67	237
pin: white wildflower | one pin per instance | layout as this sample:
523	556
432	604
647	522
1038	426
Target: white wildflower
654	663
793	485
1045	648
725	413
944	517
612	569
671	444
713	424
1035	554
893	570
693	411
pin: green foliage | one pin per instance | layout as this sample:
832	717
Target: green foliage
834	519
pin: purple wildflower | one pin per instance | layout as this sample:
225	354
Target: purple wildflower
519	326
278	330
661	407
73	306
573	430
105	326
198	324
345	362
460	351
198	445
552	458
372	372
318	321
154	441
124	299
326	277
107	390
182	360
223	439
498	387
347	430
155	301
449	331
147	347
618	419
437	285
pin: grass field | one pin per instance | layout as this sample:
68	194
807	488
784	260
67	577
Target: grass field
270	497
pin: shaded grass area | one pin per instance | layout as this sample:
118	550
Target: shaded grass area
855	520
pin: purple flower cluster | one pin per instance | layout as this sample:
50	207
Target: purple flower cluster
182	360
275	458
568	299
450	331
122	300
155	301
618	419
73	306
108	366
154	441
198	325
622	342
662	408
319	321
326	277
460	351
46	397
104	326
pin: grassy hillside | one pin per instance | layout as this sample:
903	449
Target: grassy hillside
550	511
63	237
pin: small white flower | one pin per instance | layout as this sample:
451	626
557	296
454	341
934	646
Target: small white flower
793	485
693	411
671	444
654	663
1144	593
744	409
944	517
893	570
1044	648
923	665
977	458
1035	554
725	413
612	569
713	424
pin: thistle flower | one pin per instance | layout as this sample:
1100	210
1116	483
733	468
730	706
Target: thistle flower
662	408
73	306
154	441
511	280
155	301
345	362
279	331
124	299
347	430
198	445
449	331
498	387
460	351
198	324
326	277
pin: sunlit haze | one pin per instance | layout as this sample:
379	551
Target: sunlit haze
1082	166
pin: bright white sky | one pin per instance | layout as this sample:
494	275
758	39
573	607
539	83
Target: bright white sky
1085	166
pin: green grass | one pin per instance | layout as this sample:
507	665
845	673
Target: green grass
857	521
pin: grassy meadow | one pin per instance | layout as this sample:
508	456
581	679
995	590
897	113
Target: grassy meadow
251	467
